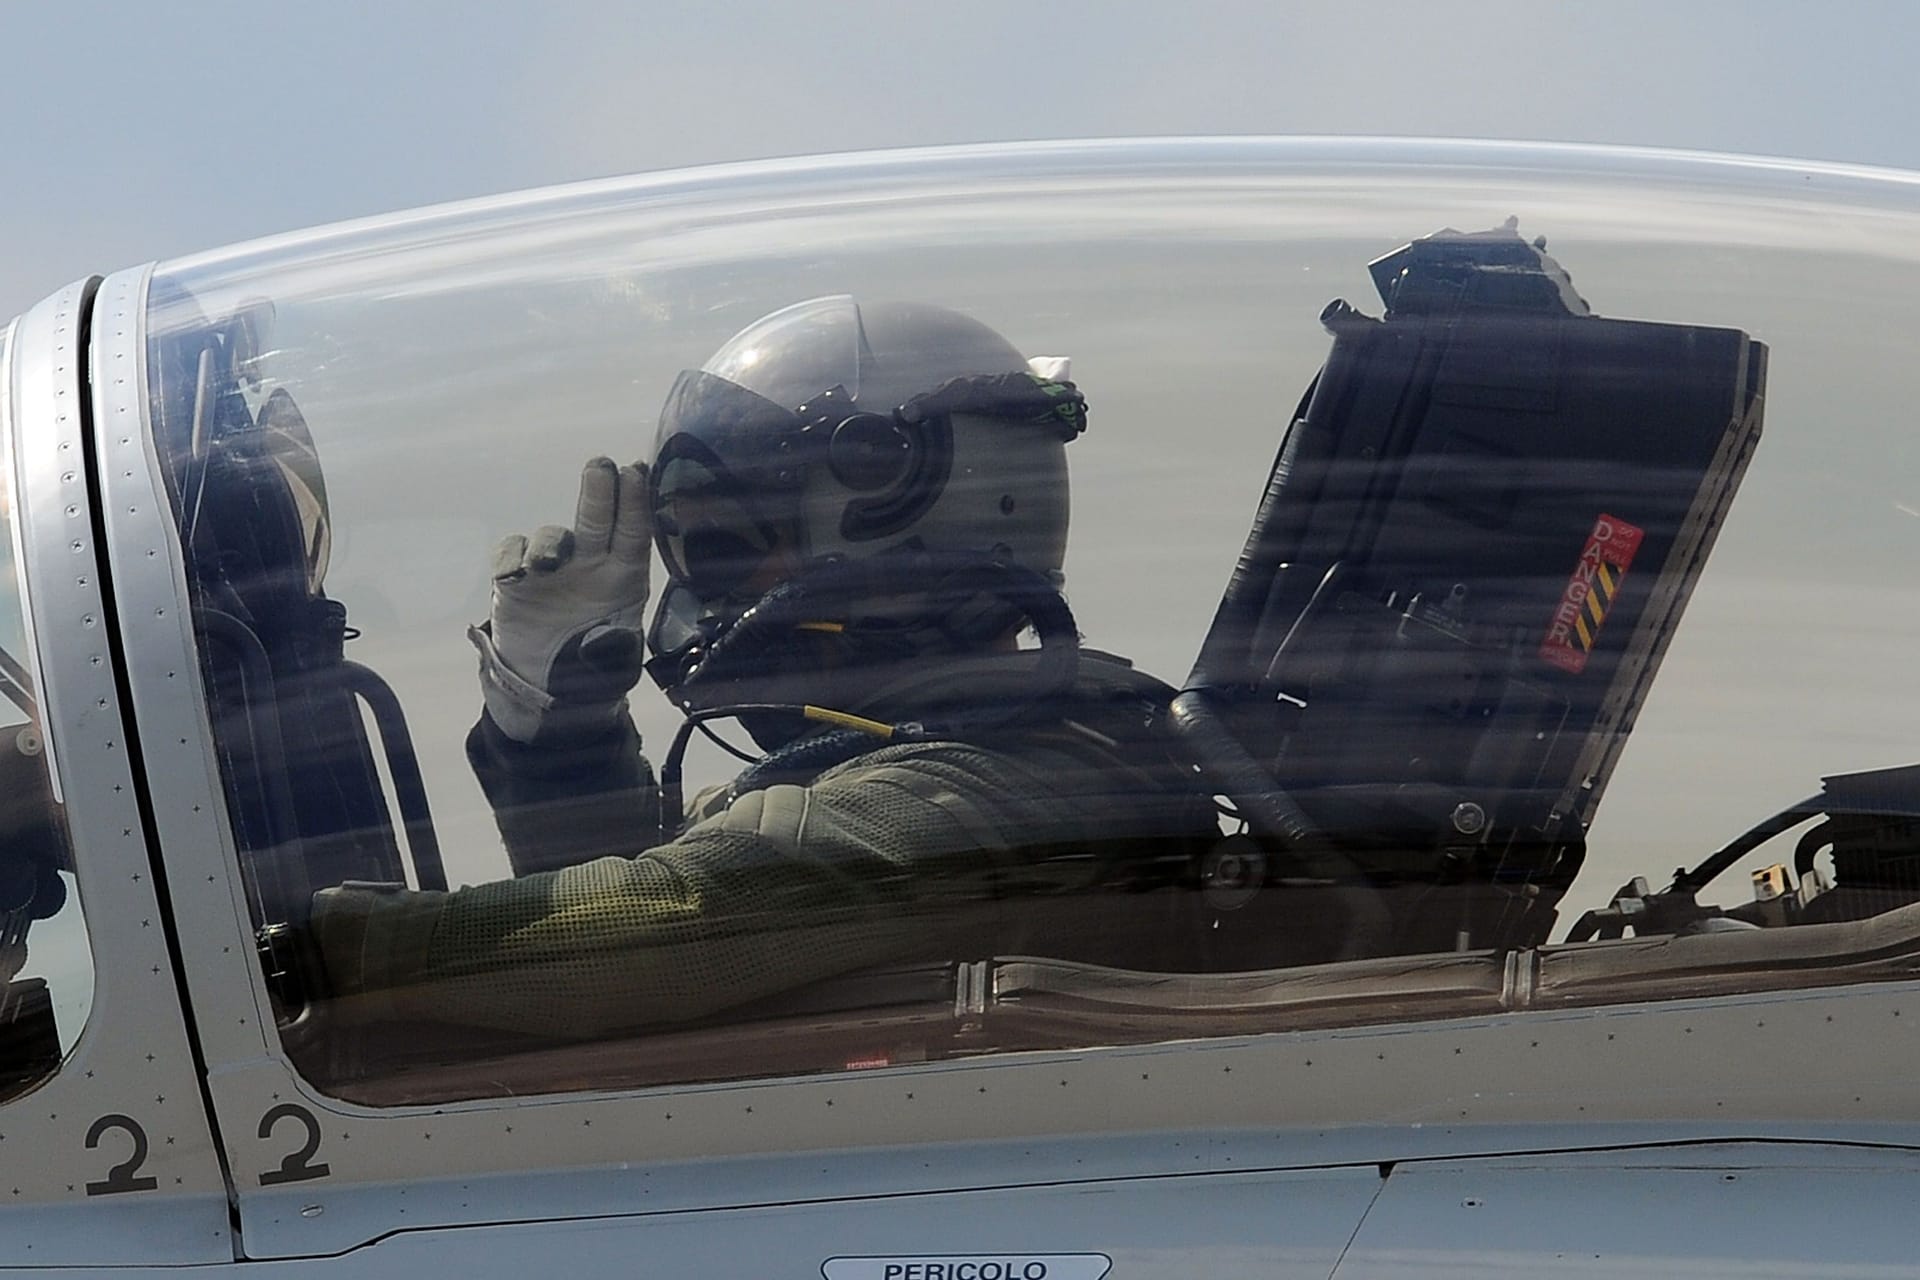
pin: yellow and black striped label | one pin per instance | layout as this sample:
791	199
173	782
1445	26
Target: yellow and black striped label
1590	593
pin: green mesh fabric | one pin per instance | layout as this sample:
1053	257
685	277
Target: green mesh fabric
909	853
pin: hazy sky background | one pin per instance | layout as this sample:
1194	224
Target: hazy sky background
142	131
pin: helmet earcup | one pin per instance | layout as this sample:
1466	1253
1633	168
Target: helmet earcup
868	452
899	468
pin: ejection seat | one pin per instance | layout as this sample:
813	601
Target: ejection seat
1472	550
289	709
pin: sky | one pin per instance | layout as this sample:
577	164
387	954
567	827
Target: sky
147	131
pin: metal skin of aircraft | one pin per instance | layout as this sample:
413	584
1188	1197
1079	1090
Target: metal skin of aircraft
1288	945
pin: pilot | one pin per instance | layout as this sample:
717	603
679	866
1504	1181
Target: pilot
862	510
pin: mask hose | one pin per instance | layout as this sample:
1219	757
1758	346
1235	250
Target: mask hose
827	589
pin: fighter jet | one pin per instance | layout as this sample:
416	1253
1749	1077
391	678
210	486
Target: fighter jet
575	731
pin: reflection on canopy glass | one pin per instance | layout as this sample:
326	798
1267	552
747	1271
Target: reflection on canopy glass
1452	595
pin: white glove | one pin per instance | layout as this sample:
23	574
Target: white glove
563	644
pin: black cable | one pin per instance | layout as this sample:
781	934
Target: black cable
672	793
1810	846
822	592
708	732
1698	878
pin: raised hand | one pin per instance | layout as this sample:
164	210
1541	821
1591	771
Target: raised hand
563	643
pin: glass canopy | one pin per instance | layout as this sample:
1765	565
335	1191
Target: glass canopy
1478	528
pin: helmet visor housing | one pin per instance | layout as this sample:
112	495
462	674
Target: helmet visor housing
726	483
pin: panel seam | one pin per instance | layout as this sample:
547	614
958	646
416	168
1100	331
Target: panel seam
136	757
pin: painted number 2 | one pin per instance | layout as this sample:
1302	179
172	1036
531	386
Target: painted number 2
297	1166
120	1178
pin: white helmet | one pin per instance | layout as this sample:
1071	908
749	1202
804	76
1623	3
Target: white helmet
832	432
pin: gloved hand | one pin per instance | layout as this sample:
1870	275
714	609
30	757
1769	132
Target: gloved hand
563	644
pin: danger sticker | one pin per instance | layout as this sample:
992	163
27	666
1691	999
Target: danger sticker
1590	593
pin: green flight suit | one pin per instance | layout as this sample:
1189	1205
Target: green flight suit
1039	837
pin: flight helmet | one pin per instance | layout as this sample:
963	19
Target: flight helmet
835	437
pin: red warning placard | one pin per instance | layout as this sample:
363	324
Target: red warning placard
1590	592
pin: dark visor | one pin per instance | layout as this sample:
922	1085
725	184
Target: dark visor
726	483
752	439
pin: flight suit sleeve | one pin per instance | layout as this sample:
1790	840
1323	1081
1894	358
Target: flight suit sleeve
558	806
900	856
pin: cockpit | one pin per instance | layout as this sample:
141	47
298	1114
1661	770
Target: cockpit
766	624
